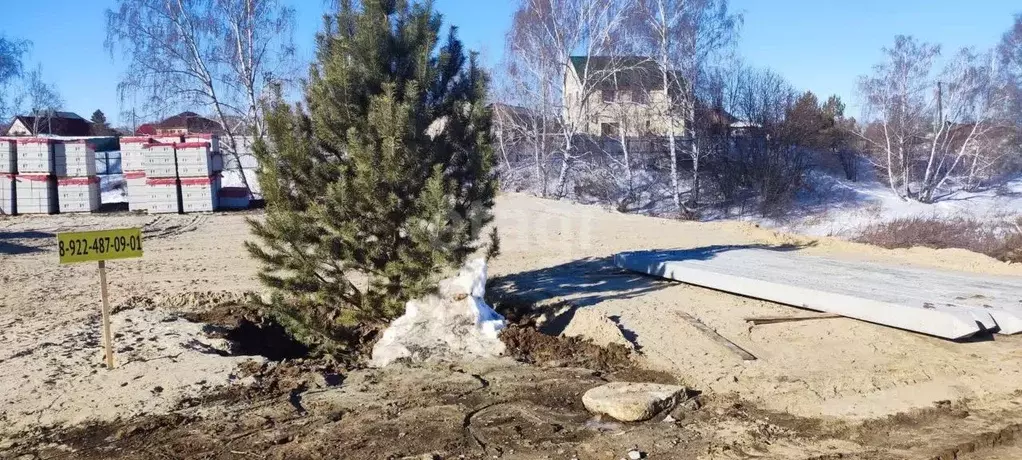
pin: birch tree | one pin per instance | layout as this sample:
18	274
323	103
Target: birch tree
897	96
1010	53
221	55
531	83
12	54
43	100
630	86
933	128
681	37
545	36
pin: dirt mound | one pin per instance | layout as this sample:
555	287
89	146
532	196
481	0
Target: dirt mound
616	361
531	346
252	333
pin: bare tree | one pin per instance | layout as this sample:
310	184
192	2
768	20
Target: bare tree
681	37
930	126
897	96
222	55
627	111
43	101
530	116
258	51
545	37
1010	53
12	53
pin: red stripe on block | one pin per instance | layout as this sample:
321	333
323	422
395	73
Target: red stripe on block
192	145
34	177
158	144
135	140
33	141
78	180
134	174
184	181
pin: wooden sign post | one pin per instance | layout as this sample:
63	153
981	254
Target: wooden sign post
101	246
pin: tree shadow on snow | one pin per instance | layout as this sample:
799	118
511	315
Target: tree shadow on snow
7	246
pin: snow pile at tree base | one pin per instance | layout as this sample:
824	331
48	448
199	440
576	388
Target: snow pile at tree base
453	325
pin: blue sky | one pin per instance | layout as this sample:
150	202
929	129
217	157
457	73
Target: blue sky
819	45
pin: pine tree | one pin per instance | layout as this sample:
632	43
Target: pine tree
99	124
383	182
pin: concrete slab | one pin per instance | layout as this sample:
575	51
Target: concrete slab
980	315
946	304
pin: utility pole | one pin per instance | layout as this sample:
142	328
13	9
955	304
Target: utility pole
940	105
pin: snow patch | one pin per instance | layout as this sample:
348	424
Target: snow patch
454	324
843	208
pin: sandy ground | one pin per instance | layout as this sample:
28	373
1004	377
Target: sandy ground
553	252
833	367
51	361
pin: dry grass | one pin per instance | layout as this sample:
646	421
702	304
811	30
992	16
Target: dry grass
1001	240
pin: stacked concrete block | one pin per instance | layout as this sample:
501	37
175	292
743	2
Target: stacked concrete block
75	168
36	193
166	139
8	204
78	194
35	156
194	159
161	195
8	169
160	175
133	165
35	189
8	156
189	162
159	160
74	159
200	194
132	153
138	192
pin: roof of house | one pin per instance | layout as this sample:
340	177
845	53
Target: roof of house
625	70
58	124
191	121
145	129
70	115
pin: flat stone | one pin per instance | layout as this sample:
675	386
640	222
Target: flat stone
632	402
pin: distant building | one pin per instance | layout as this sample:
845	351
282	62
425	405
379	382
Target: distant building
183	123
50	124
146	129
608	95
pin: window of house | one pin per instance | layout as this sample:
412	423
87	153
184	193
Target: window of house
640	96
609	95
610	129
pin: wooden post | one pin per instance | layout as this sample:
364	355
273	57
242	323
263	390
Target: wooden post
108	345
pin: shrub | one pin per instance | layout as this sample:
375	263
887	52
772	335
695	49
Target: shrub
1001	240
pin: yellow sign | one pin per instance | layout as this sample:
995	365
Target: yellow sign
122	243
